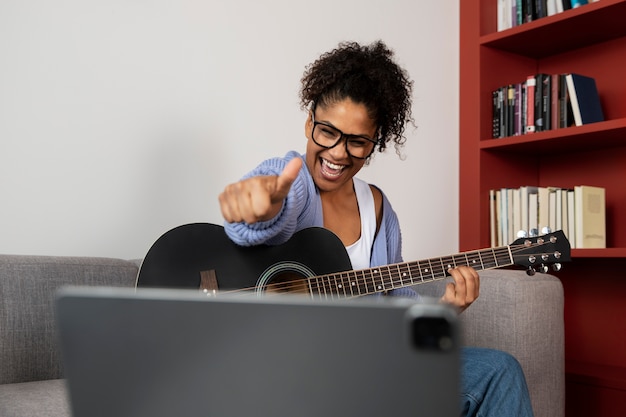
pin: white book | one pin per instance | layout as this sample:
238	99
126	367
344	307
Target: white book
525	193
543	202
564	212
499	227
551	7
590	216
516	213
504	14
558	221
510	207
571	219
533	215
493	221
552	210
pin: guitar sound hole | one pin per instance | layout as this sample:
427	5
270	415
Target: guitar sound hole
287	282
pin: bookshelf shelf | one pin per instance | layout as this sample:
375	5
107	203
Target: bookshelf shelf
589	40
552	35
603	135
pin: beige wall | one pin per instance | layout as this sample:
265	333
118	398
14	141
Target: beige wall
122	119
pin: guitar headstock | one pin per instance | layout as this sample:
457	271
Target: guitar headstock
537	253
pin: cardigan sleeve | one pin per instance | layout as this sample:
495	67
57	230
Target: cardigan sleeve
298	210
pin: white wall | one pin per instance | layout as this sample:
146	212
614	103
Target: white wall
122	119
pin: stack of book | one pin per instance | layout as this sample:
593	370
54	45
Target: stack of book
545	102
533	211
513	13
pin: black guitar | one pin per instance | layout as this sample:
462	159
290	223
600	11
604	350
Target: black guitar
314	261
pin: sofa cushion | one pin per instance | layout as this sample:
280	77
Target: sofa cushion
28	343
35	399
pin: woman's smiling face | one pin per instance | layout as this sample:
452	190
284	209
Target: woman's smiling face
333	168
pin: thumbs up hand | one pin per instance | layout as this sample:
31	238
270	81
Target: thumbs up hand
259	198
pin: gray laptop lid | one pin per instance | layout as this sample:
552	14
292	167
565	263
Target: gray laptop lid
178	353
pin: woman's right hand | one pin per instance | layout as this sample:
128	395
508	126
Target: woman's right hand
259	198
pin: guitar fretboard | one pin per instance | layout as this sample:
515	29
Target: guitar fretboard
373	280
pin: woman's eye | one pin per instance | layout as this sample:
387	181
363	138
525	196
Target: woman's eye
358	143
329	132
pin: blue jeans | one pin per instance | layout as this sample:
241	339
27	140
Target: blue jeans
493	384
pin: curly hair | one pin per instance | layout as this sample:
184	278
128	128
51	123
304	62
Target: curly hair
366	75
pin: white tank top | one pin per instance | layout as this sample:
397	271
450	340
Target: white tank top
360	251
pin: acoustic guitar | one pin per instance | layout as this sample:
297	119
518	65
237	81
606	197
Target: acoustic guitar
314	261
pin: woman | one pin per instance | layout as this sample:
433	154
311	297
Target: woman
358	101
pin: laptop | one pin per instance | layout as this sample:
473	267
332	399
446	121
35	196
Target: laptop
158	352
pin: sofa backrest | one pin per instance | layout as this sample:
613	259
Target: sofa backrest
28	335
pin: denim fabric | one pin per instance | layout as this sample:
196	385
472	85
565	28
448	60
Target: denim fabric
493	384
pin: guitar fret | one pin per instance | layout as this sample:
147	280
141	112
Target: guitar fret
490	259
350	284
354	283
480	256
337	286
391	280
399	276
343	285
504	257
383	285
369	282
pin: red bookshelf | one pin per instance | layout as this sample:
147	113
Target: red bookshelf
590	40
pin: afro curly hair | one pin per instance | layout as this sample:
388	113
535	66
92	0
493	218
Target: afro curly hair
365	74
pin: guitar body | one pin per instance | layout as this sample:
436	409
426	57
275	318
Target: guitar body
183	256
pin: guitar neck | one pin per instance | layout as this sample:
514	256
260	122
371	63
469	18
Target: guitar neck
384	278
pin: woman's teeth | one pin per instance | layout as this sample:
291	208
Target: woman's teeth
332	169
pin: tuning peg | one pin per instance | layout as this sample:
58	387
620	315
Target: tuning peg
530	271
543	268
557	267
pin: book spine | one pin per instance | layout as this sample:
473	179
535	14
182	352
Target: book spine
530	104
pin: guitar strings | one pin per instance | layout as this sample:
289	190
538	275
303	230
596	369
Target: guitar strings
334	285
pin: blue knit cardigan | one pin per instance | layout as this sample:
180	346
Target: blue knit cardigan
303	208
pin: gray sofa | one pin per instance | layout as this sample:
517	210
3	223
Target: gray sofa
516	313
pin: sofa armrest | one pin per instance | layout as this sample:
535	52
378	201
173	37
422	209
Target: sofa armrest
521	315
28	284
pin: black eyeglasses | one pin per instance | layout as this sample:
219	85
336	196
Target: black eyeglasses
327	136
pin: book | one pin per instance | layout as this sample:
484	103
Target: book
551	7
565	107
543	214
527	212
493	220
584	99
578	3
546	99
529	100
554	102
504	14
590	213
497	113
571	219
533	214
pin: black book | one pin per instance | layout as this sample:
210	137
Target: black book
584	98
539	113
497	114
546	110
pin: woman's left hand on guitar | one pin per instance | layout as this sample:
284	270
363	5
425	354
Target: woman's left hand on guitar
465	288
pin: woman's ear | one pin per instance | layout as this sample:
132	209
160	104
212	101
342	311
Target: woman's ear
308	124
